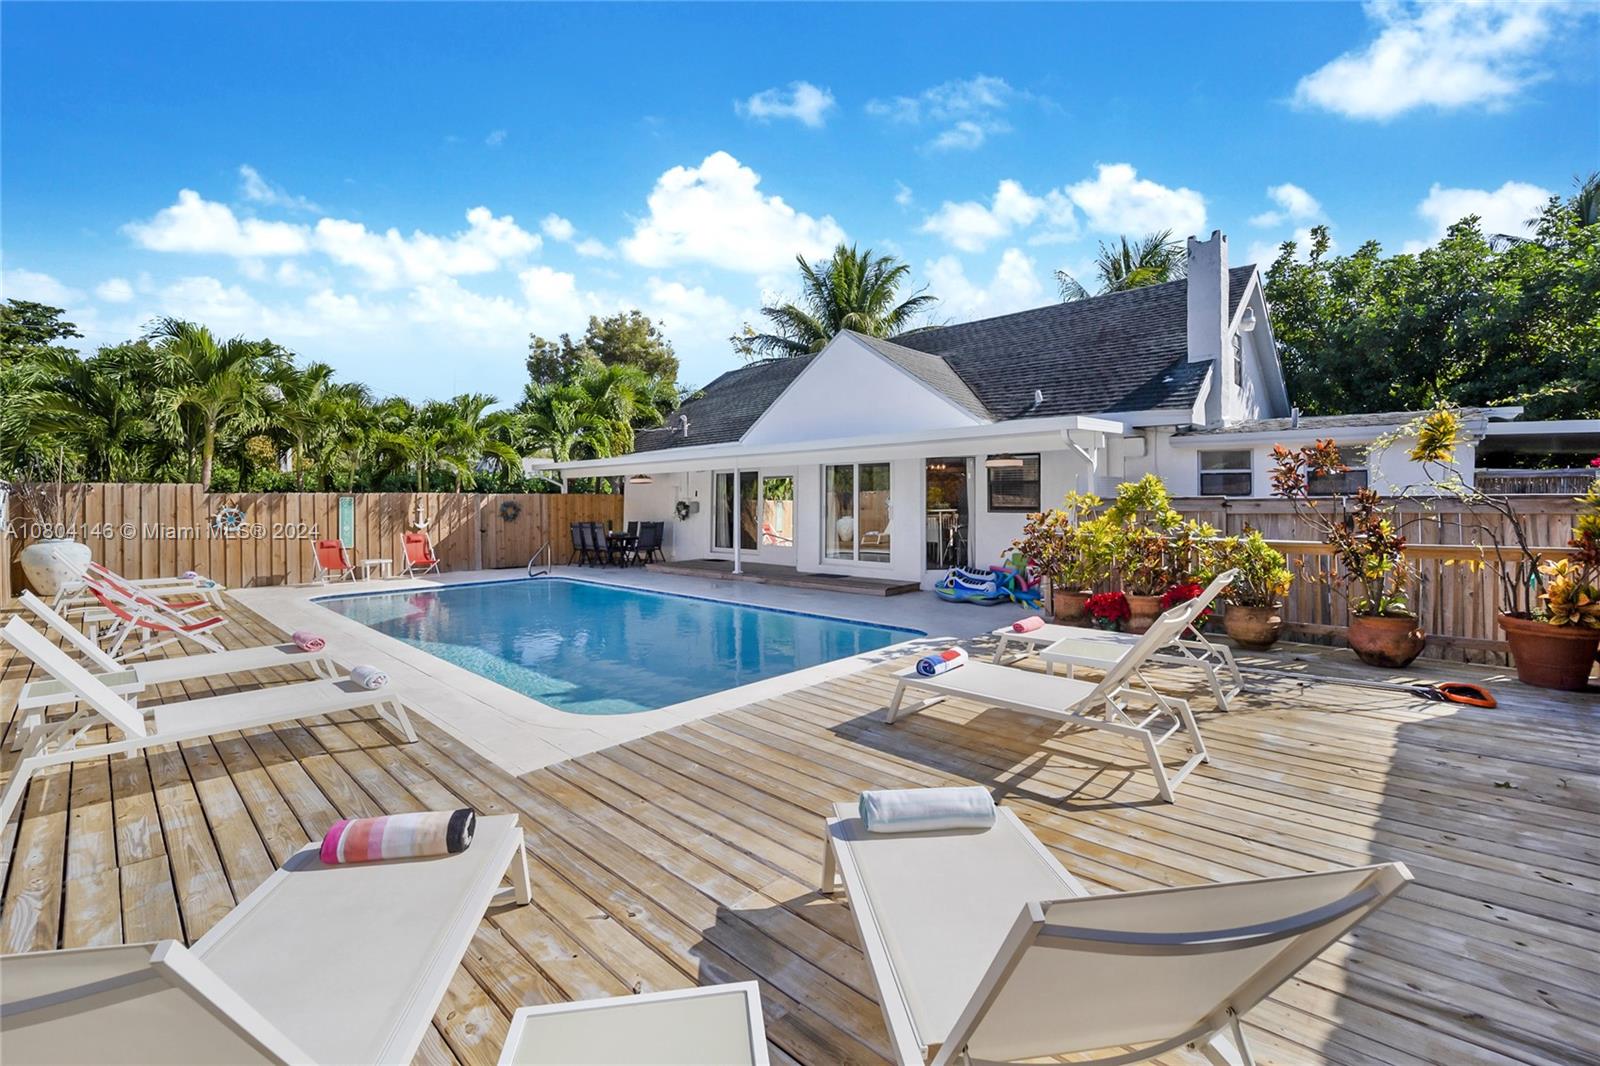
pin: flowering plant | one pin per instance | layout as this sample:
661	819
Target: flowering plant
1183	592
1108	610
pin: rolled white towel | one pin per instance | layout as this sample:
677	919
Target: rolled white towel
369	677
919	810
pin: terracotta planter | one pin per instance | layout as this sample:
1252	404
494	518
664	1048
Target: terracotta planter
1256	628
1384	640
1067	607
1551	656
1144	611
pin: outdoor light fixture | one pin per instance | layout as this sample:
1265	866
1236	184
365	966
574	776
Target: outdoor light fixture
1247	323
1002	462
641	479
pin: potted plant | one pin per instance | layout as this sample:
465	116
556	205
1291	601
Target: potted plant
1070	549
1550	608
1370	567
1108	610
50	505
1254	618
1142	521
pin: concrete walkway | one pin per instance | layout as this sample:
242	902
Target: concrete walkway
520	734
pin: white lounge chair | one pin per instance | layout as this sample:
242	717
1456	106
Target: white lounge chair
1107	706
982	945
719	1025
327	964
1098	648
60	741
121	616
73	592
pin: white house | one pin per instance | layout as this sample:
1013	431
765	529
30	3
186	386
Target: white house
898	459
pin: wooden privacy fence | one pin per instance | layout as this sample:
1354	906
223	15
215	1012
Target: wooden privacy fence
1456	604
157	530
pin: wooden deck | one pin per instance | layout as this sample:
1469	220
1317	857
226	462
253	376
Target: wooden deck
693	855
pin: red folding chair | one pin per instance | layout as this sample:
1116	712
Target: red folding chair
332	564
418	555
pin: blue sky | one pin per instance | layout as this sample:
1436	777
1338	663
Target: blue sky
406	191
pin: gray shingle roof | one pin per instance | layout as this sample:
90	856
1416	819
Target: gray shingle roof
724	409
931	370
1125	351
1372	419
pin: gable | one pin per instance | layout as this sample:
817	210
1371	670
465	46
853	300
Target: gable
849	389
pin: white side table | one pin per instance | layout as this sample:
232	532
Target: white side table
718	1025
384	567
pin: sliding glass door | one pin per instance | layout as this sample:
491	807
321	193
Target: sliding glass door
747	507
857	512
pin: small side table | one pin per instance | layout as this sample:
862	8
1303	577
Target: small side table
384	567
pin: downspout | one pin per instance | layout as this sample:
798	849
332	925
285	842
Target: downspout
1083	453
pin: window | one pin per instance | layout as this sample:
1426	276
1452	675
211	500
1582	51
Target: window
722	536
777	512
1013	482
1225	473
1345	484
857	512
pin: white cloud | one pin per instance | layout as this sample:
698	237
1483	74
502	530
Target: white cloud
258	190
971	226
391	259
1118	201
1503	210
804	103
1294	205
1440	55
114	290
18	284
1014	287
495	139
194	224
591	248
715	213
902	194
970	108
557	228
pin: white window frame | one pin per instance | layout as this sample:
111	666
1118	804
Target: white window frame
1248	470
854	558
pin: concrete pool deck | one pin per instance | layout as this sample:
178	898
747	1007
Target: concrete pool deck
520	734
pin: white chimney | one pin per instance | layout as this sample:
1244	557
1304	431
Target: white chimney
1208	297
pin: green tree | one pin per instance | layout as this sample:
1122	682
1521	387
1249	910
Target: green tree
29	333
1466	321
627	338
853	290
214	382
1149	260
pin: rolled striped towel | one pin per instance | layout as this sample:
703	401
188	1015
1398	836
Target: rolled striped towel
399	836
191	575
918	810
940	661
1028	624
306	640
369	677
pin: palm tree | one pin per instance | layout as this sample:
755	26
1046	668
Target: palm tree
470	434
1150	260
853	290
297	409
211	381
94	402
556	421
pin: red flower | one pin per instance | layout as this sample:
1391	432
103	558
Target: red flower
1595	461
1108	609
1183	592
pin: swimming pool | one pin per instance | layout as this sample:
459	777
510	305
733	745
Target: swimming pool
589	648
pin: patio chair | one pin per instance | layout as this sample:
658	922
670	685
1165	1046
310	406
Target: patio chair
331	562
649	542
1099	648
325	964
74	593
717	1024
1107	706
985	949
62	741
633	529
155	624
580	546
129	678
659	538
417	552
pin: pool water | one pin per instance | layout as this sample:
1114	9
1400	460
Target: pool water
598	649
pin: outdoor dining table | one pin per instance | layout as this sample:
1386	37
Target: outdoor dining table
622	543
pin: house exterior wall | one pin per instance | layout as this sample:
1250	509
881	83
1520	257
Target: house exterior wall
1177	460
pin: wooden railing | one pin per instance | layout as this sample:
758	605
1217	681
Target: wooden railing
1456	595
155	530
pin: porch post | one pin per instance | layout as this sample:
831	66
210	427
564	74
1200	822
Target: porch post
738	520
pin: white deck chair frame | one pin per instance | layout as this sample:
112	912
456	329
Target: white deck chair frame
156	625
60	741
1218	1035
1109	706
615	1011
232	1026
1190	648
73	596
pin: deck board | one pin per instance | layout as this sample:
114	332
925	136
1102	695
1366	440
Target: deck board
692	855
